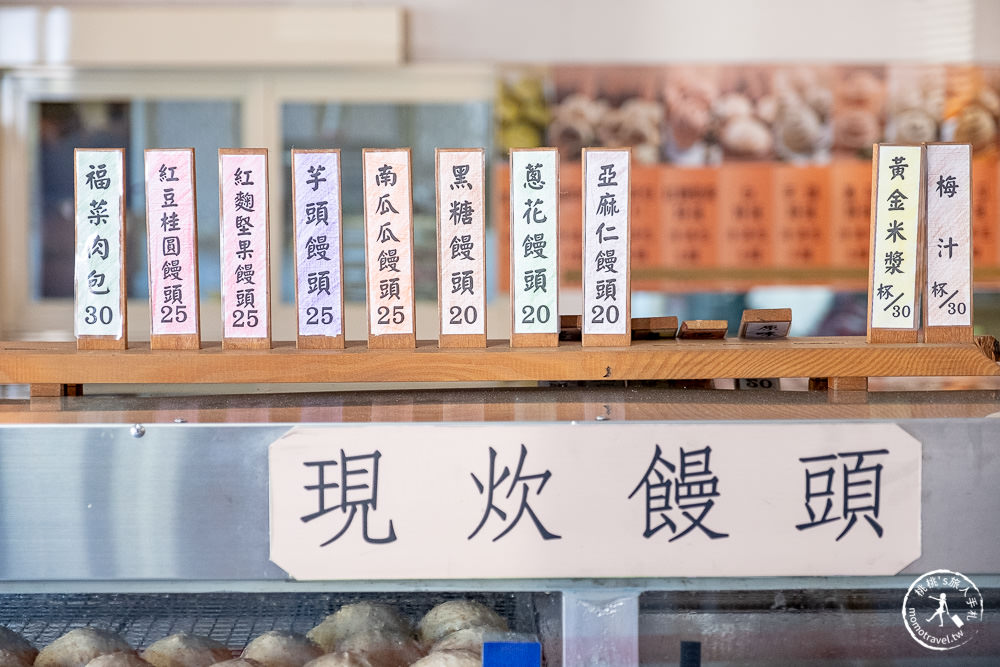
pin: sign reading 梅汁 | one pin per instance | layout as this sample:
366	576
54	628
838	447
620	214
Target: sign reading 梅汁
594	500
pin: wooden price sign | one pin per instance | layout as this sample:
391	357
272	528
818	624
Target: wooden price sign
389	248
99	268
893	269
606	266
534	247
172	249
319	271
948	291
461	236
243	242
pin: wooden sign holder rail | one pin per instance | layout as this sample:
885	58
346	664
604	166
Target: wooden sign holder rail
57	369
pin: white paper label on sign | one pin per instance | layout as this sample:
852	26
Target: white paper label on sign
766	330
243	244
557	500
388	241
949	222
317	242
894	280
172	241
461	240
605	241
99	255
534	200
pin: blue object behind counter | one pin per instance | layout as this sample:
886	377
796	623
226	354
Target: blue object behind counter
512	654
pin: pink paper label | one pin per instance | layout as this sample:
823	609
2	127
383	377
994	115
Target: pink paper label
461	244
388	241
171	241
317	242
245	293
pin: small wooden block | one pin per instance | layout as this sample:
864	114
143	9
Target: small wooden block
388	210
847	384
100	282
570	327
607	313
318	249
765	323
172	249
948	283
894	265
244	240
654	328
703	329
534	247
46	390
461	238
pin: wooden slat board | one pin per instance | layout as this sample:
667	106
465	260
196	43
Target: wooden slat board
607	298
461	238
31	363
99	270
318	248
948	288
172	249
534	247
388	198
244	243
894	276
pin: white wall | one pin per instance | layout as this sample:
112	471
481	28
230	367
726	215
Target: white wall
638	31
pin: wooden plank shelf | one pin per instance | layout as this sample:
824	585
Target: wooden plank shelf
840	357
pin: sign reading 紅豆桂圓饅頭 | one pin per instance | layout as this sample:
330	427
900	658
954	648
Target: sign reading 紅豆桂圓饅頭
594	500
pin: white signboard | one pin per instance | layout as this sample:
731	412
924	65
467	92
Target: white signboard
895	257
594	500
100	193
605	241
389	241
462	240
949	225
534	205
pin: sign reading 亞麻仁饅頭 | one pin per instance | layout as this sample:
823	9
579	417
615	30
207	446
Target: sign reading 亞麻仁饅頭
431	501
606	265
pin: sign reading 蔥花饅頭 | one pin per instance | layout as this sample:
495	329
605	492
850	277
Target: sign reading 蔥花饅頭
243	242
606	214
99	268
389	247
558	500
534	247
172	247
894	289
948	292
461	236
319	293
